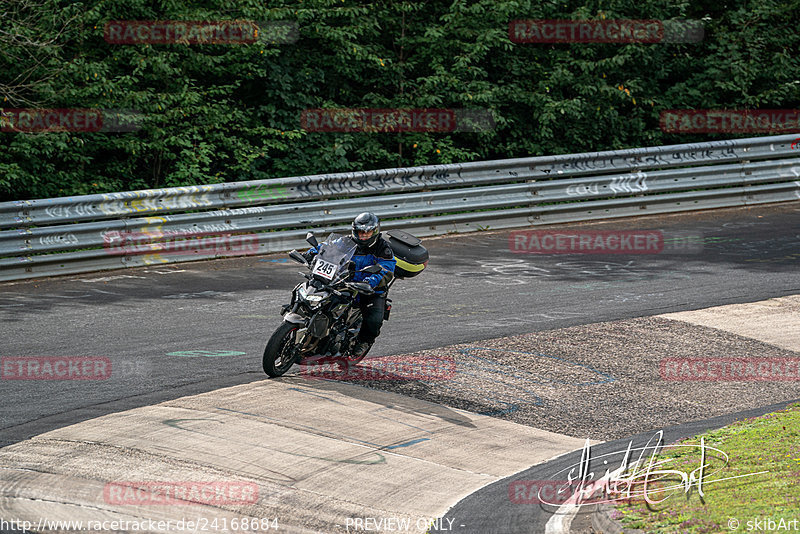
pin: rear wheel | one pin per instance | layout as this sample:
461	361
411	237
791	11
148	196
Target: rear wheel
279	355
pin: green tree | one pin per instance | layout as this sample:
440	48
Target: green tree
216	113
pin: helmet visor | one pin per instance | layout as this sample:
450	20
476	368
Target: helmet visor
363	235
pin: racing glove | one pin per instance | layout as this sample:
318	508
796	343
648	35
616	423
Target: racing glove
310	254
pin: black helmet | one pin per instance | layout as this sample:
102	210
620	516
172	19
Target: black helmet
366	222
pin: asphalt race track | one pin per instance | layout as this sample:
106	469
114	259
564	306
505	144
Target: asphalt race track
490	510
172	331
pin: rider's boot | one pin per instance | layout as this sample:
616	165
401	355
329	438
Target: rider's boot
361	347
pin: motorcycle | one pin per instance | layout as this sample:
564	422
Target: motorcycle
322	321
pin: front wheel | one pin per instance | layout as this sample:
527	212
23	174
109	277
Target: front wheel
279	355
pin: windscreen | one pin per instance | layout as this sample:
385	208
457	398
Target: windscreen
334	253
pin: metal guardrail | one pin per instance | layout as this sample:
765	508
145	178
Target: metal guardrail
77	234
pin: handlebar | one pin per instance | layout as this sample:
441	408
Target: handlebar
361	287
296	256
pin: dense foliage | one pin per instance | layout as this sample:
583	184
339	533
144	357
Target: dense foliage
217	112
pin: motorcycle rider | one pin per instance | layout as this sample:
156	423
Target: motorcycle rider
371	249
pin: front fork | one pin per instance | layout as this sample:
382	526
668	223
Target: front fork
301	334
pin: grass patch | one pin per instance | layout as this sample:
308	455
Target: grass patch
767	443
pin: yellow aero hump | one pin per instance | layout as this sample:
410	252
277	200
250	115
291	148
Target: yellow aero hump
410	267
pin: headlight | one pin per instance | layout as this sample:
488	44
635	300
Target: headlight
311	299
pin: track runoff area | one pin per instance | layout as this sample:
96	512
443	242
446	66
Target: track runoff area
496	367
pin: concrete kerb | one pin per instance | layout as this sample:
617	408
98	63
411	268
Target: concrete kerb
379	442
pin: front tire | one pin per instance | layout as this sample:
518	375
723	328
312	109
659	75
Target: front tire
279	354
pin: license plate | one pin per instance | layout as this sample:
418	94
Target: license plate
325	269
